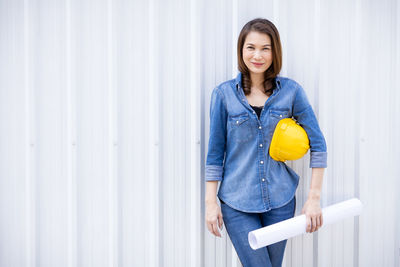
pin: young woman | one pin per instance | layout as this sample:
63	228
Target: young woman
257	191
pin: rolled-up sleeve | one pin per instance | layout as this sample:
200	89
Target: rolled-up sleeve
217	139
305	116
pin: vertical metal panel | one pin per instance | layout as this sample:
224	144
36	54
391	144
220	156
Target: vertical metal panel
93	141
16	153
105	121
30	166
71	141
46	66
153	237
395	141
112	142
195	219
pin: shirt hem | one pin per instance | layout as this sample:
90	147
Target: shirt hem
258	211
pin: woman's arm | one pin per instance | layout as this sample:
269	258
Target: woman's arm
316	183
215	160
304	114
312	207
211	192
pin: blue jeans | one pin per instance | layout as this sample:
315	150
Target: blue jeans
238	224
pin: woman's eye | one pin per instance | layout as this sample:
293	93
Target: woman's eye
266	48
249	47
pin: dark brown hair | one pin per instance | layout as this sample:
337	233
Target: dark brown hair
262	26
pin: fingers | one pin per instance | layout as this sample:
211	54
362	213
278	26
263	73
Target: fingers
221	222
215	230
313	223
322	220
308	221
213	226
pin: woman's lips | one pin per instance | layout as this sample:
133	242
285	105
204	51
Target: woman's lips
257	64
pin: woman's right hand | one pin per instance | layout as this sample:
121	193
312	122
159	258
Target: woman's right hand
214	218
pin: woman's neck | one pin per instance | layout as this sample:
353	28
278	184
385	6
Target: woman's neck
257	80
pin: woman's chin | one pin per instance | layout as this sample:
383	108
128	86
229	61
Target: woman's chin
257	71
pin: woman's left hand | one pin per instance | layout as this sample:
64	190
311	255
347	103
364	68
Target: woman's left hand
313	212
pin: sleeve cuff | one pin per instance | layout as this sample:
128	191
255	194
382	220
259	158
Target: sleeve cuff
318	159
214	173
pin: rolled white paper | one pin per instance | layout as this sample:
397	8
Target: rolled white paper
295	226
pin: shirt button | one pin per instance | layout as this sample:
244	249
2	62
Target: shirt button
260	145
262	162
254	112
237	122
280	116
263	180
259	127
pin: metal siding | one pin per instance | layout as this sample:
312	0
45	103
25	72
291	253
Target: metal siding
105	123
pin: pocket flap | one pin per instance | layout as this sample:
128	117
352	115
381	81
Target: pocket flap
279	113
239	119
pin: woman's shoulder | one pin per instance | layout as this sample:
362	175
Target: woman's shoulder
226	86
289	84
287	81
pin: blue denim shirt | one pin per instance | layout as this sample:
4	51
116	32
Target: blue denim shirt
251	181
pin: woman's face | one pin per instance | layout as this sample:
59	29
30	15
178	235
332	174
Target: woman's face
257	52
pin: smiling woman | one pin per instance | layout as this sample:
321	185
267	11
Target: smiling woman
256	190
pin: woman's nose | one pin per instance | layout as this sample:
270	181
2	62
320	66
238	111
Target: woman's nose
257	55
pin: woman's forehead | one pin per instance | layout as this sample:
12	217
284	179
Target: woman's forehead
258	38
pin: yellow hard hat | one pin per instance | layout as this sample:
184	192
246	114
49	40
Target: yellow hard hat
289	141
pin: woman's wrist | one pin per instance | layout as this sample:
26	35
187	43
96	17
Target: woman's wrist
211	200
211	192
314	194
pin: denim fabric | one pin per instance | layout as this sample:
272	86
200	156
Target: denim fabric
251	181
238	225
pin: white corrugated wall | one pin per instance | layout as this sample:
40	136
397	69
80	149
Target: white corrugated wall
104	125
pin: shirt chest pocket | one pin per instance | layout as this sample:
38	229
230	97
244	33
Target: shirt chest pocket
241	128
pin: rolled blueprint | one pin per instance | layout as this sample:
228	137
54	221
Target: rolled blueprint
295	226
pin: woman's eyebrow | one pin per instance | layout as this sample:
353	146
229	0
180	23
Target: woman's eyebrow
253	44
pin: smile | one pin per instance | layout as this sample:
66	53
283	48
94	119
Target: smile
257	64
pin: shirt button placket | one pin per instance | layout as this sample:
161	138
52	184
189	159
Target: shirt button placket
263	180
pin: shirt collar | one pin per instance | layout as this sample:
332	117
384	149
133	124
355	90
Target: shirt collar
238	81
